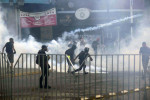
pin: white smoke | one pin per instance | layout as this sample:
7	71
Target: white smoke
141	35
3	30
106	24
59	46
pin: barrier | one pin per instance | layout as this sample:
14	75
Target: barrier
108	75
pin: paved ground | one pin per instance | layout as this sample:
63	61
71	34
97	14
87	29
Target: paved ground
25	85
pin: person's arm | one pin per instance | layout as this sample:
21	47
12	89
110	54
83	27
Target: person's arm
90	57
46	58
140	52
76	56
3	49
14	49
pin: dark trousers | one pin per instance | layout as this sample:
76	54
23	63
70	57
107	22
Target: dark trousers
82	65
45	73
145	61
69	64
95	51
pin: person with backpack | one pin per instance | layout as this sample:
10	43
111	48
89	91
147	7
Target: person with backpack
10	50
83	55
42	61
70	57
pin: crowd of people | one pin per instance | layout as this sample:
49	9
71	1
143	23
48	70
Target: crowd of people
42	58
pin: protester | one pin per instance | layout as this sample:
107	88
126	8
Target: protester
145	51
10	50
42	61
95	45
83	55
70	57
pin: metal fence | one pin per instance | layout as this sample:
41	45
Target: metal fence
5	78
113	76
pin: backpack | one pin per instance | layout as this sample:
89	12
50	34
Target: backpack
81	55
37	60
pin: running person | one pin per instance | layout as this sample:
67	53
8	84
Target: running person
82	57
10	50
70	57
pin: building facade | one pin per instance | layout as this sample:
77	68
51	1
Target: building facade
100	12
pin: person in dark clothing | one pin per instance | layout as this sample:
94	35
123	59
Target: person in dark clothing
10	50
42	61
95	44
145	51
70	57
82	57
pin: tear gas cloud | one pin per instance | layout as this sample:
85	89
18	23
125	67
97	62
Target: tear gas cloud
104	25
59	46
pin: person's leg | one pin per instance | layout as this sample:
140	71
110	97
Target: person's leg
46	74
81	65
84	66
11	60
78	69
11	67
95	51
145	64
41	78
69	65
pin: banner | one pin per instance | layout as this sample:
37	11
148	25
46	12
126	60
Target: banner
38	19
28	1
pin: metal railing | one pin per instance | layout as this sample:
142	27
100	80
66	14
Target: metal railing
5	78
115	76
